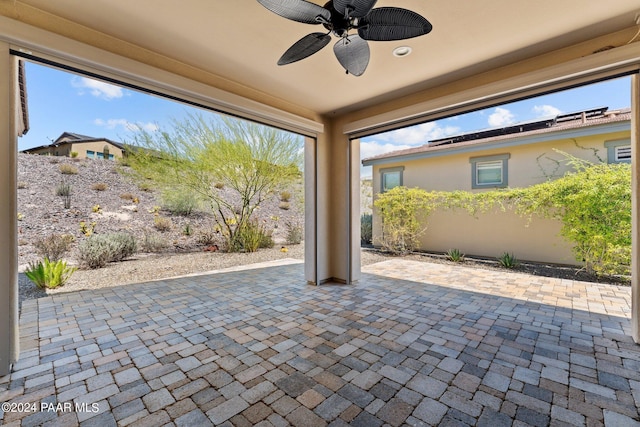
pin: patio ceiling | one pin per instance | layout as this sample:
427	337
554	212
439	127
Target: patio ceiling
240	42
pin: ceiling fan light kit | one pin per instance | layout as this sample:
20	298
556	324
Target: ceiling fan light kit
340	17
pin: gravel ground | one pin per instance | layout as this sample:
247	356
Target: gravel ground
144	267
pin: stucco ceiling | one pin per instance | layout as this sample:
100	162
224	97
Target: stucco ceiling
241	41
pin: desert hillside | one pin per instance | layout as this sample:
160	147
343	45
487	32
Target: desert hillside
102	192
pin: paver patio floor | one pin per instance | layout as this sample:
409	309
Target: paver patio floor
409	344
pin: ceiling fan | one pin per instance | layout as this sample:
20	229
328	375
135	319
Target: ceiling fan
341	16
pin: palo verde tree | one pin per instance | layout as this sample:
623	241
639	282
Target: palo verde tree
232	164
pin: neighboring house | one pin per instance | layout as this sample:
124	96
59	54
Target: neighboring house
517	155
86	146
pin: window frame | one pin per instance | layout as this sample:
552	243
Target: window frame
475	161
612	150
384	171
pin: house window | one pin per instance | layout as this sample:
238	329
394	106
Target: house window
489	171
91	154
391	177
618	151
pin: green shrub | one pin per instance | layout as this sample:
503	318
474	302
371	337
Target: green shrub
403	211
366	229
73	154
146	186
67	169
250	237
455	255
295	233
180	202
101	249
508	260
187	230
54	246
153	242
49	274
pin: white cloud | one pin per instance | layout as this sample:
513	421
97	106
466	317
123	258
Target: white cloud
97	88
126	125
419	134
546	110
374	148
501	117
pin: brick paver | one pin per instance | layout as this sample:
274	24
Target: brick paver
409	344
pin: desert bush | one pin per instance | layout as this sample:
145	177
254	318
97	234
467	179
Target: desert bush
182	203
54	246
219	185
162	223
285	196
22	185
99	186
366	229
49	274
101	249
403	211
64	190
284	206
73	154
67	169
153	242
250	237
207	237
295	233
127	196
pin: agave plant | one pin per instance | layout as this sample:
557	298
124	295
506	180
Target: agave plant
49	274
455	255
508	260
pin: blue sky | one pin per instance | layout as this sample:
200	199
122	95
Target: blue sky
63	102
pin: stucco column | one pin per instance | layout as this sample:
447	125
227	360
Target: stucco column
8	210
310	212
635	208
354	209
337	205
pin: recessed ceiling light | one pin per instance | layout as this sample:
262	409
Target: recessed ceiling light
401	51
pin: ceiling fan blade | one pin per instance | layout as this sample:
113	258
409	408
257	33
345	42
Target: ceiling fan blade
353	54
355	8
393	23
305	47
298	10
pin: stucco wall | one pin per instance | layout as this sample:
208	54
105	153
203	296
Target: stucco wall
493	233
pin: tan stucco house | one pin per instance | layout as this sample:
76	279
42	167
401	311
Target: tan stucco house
87	147
517	155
